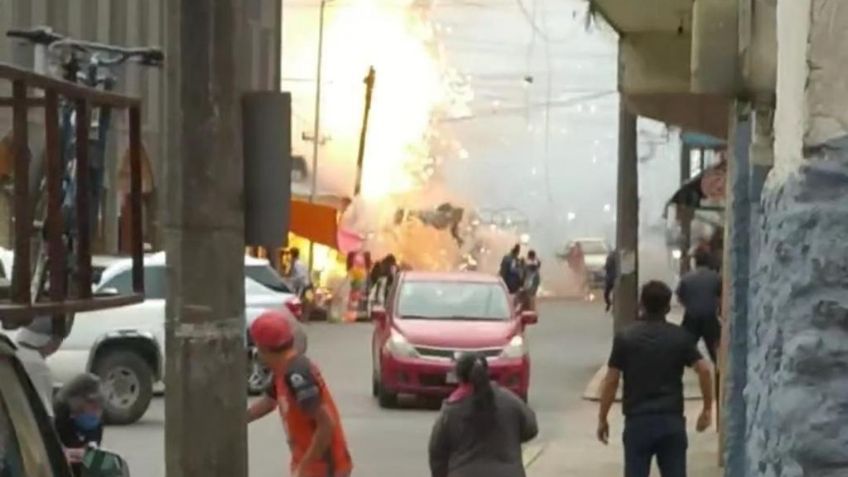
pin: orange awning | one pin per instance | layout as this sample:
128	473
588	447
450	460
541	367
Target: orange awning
314	222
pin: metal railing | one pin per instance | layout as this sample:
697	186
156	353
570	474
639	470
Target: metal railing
72	293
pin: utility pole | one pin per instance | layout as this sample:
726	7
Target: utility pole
360	158
626	303
313	191
205	403
683	211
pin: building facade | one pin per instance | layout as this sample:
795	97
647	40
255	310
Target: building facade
129	23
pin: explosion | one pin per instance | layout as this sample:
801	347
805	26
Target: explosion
414	89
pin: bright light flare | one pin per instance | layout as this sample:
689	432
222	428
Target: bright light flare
409	86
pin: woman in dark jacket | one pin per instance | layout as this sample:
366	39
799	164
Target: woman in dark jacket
481	427
78	410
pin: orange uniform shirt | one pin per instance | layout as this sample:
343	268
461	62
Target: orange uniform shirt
300	391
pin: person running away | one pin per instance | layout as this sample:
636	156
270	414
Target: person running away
310	418
651	355
700	294
481	427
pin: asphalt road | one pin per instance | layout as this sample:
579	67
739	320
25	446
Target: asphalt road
567	346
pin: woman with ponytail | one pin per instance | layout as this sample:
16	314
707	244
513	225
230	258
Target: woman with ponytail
481	427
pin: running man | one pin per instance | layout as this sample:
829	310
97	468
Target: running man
309	414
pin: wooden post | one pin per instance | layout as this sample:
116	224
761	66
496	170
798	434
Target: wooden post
360	158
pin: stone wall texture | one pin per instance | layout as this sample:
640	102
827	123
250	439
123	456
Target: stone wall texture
797	393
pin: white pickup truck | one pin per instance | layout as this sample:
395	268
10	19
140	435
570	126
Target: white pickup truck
125	346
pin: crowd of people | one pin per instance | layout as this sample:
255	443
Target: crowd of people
522	276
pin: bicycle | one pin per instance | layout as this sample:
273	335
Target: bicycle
90	64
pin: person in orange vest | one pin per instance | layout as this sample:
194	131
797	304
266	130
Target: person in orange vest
309	414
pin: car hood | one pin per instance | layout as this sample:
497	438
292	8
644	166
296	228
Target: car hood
457	333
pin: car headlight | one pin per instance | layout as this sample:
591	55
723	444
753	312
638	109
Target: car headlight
399	347
516	348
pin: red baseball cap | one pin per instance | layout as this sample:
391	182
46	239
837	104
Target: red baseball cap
271	330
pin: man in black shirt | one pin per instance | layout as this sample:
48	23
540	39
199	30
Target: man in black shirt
700	294
651	355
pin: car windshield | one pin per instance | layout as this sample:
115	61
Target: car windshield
252	287
593	248
266	276
453	300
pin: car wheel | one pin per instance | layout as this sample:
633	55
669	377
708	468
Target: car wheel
386	399
258	375
127	382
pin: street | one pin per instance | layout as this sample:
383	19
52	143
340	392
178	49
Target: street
567	346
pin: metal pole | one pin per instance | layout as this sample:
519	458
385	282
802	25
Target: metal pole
626	290
316	139
360	158
684	213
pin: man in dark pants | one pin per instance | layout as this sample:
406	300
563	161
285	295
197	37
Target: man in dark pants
700	294
610	274
651	354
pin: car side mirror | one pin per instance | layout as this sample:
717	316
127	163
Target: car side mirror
379	315
529	317
102	463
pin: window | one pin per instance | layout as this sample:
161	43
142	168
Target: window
155	283
121	283
267	276
23	449
593	247
453	300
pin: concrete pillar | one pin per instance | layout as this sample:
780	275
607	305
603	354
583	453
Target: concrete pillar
797	392
205	406
626	302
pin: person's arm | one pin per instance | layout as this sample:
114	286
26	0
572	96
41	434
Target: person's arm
529	426
609	388
439	449
681	292
705	379
260	408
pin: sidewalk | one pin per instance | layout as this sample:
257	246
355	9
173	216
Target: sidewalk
576	452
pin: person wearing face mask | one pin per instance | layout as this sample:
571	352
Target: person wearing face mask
78	412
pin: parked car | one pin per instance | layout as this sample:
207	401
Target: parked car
595	252
433	317
125	346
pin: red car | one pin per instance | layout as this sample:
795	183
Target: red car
430	318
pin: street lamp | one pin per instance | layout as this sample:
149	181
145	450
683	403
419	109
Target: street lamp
317	126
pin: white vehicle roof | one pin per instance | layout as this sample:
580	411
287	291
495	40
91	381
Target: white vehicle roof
158	260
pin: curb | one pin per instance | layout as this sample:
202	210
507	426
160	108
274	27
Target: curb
531	453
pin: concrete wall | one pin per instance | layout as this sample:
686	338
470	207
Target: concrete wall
797	394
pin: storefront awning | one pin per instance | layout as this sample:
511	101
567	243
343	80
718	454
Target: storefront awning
315	222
